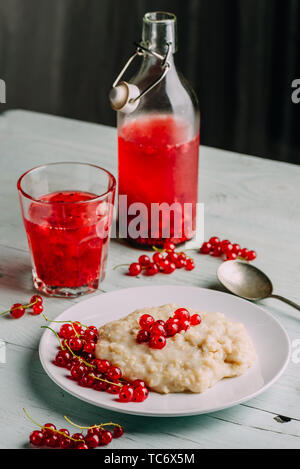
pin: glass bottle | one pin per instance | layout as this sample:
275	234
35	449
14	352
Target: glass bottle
158	144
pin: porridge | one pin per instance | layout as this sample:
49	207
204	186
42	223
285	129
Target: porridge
191	361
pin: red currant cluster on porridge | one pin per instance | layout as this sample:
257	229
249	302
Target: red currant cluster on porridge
230	251
165	261
89	371
18	309
96	435
155	333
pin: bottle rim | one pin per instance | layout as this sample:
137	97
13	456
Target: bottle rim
159	17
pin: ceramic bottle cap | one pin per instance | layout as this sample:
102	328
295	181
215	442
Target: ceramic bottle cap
121	95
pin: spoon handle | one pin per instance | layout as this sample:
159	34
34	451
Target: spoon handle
285	300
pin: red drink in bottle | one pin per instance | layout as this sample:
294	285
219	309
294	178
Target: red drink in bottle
158	164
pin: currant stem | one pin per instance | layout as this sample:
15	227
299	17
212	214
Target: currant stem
45	428
93	426
62	322
158	249
120	265
57	336
106	381
19	307
78	357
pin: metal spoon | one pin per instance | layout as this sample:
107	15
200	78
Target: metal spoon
248	282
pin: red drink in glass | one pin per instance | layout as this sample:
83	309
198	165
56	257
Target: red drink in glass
158	163
68	230
68	234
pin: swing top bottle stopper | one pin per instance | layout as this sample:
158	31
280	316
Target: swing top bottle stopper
124	96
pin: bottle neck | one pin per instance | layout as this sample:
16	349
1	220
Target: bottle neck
159	29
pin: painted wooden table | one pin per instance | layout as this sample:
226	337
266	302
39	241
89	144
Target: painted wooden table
253	201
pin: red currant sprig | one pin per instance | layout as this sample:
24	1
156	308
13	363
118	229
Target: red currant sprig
155	333
96	435
18	309
217	248
164	260
89	371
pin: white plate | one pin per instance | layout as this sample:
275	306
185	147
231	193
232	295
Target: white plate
270	340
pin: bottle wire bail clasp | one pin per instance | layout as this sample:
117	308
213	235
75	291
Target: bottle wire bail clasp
125	96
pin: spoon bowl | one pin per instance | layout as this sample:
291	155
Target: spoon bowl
245	280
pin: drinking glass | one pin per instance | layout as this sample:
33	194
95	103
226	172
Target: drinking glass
67	211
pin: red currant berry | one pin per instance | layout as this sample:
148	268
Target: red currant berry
89	347
217	251
75	344
251	256
17	310
231	256
126	393
171	328
37	299
113	389
106	438
82	446
244	253
78	436
86	381
157	257
224	242
37	309
214	241
151	269
114	373
190	265
102	365
65	431
134	269
163	265
118	432
66	331
181	314
36	438
62	358
170	268
236	248
184	325
206	248
172	257
227	248
78	371
157	342
144	260
145	321
161	322
89	334
157	329
168	247
138	382
143	336
94	329
52	441
195	319
140	394
100	385
89	357
65	443
95	431
92	440
49	429
78	327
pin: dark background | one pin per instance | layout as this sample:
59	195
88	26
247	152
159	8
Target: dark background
241	56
